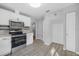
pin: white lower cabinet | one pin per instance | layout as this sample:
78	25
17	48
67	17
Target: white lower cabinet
29	38
5	45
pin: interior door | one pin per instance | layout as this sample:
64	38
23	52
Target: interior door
70	31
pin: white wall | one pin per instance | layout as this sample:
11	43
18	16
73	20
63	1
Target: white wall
77	28
57	33
60	18
48	23
47	30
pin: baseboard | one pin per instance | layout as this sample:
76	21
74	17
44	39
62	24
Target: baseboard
64	48
77	52
47	43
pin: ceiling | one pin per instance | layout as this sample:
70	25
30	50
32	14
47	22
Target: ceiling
36	12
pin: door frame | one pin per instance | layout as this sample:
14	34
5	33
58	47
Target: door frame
65	41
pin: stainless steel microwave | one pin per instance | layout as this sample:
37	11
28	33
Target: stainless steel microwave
16	25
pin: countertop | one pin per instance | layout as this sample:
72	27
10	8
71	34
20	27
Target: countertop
7	35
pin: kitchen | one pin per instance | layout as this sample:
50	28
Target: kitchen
40	29
14	26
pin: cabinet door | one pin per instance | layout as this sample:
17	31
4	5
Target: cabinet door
5	46
29	38
25	19
5	16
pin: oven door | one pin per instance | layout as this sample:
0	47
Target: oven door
18	40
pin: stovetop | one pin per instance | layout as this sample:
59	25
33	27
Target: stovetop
16	33
24	34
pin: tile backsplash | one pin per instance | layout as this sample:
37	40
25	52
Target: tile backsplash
4	32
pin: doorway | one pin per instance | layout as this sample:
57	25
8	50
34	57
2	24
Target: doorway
34	31
70	31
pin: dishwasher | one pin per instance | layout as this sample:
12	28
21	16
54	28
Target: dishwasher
5	45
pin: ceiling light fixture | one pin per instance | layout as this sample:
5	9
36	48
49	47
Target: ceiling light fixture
35	5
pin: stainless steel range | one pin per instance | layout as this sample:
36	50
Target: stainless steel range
18	37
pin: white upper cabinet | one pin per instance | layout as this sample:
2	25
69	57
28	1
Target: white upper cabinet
25	19
5	16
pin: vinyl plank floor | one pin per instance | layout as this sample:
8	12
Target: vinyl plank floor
38	48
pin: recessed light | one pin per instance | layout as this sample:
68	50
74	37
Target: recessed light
35	5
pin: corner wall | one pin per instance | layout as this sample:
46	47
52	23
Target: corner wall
56	17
